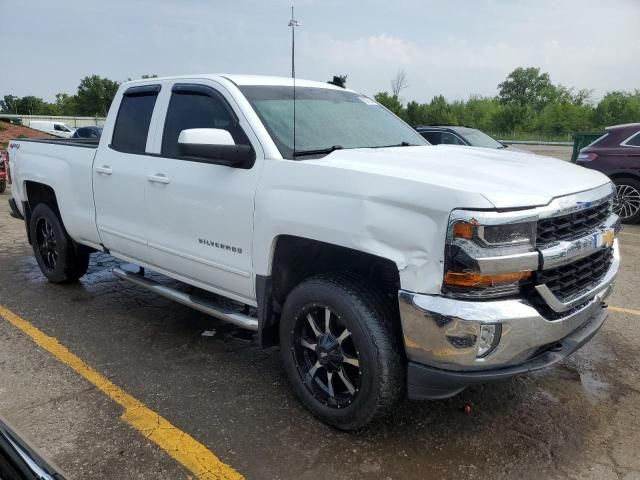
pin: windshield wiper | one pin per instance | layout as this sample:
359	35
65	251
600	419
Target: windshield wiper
321	151
403	144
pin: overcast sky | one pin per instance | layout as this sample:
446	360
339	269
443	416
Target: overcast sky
455	47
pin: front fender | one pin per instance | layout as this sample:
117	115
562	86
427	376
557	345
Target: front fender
397	219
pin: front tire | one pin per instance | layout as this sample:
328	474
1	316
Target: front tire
59	259
627	201
340	351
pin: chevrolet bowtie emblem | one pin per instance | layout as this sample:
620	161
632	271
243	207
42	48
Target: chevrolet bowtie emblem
608	237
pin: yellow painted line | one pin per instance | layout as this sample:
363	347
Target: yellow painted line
625	310
178	444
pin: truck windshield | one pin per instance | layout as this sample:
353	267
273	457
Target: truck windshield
326	120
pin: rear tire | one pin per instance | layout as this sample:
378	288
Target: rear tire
627	203
3	186
58	257
349	369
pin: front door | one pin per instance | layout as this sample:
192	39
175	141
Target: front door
200	215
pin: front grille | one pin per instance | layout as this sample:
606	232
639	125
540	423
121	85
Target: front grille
573	225
569	280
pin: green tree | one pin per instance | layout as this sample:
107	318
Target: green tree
391	102
66	104
9	104
562	118
513	118
570	95
416	114
439	111
527	87
618	107
28	105
95	95
478	112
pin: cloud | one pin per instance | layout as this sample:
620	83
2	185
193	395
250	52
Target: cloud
366	50
455	48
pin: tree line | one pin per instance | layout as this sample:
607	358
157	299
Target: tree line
92	98
528	103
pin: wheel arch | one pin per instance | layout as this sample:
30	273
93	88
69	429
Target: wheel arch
294	259
36	193
625	174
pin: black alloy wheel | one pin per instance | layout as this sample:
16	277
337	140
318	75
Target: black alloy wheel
341	350
60	259
47	244
326	356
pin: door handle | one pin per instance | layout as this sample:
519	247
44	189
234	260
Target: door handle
158	178
104	170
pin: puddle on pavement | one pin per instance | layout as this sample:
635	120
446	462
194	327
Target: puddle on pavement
595	390
548	396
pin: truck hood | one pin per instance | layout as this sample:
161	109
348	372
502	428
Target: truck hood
507	179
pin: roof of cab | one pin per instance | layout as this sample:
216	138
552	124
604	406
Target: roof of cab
242	80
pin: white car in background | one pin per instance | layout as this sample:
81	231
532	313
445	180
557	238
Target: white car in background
59	129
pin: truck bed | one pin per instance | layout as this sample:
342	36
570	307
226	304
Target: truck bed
66	166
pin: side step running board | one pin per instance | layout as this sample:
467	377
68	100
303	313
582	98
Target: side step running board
204	306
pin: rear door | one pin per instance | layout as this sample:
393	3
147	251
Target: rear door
119	180
200	215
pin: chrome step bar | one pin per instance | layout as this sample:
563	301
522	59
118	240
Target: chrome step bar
202	305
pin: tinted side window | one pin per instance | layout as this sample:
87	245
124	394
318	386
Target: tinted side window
197	109
635	141
132	124
432	137
451	139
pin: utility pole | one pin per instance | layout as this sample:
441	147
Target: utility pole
293	23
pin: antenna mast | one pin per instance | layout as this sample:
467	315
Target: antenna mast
293	23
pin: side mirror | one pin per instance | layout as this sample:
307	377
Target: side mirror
215	145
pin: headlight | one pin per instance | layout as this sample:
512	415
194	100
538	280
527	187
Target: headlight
496	235
486	258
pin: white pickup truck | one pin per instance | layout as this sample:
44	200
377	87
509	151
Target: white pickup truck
383	267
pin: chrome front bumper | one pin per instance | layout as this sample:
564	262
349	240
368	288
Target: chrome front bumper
443	332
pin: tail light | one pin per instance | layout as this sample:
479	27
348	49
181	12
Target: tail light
587	157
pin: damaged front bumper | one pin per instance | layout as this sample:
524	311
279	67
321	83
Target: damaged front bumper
442	337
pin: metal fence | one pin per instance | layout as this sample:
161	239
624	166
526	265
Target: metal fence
73	122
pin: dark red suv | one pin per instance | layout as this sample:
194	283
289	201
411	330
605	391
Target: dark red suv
617	155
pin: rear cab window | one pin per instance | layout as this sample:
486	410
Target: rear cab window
134	117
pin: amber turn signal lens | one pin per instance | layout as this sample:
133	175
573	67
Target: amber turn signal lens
463	230
455	279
